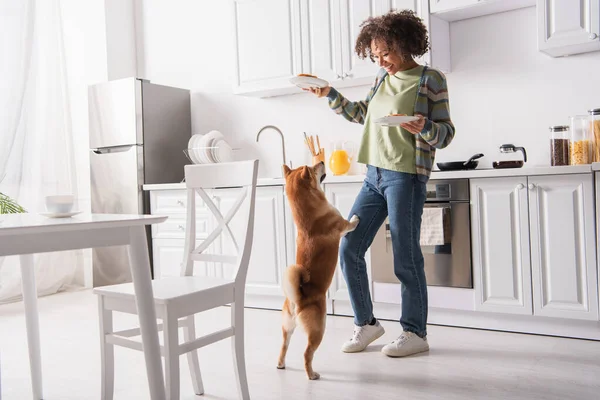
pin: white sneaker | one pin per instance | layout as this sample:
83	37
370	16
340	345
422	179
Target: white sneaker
408	343
362	337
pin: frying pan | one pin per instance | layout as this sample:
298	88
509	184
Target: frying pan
471	163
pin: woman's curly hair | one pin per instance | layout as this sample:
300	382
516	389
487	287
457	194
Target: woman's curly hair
402	31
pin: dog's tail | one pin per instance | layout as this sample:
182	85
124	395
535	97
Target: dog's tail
293	279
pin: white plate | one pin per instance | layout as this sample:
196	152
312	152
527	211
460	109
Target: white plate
60	215
192	150
306	82
395	120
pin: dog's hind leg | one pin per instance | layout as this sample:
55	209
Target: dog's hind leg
313	321
287	327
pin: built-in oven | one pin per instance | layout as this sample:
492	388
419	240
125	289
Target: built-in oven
448	257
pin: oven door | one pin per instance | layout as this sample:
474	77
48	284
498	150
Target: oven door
448	264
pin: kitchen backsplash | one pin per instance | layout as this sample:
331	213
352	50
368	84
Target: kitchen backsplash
507	92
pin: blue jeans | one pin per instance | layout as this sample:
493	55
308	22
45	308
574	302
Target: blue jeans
400	196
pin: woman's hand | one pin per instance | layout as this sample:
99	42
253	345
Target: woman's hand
320	92
414	127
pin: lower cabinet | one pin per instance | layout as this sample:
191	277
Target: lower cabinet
534	245
342	197
500	245
533	242
267	261
268	258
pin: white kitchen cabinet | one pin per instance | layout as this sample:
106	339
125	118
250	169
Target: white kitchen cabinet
436	6
568	27
500	245
563	255
315	37
334	26
268	258
456	10
342	196
267	45
533	242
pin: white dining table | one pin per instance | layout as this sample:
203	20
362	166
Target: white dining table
27	234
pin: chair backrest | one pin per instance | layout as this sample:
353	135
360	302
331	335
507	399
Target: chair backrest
200	178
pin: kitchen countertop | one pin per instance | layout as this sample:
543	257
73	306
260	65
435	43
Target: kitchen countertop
476	173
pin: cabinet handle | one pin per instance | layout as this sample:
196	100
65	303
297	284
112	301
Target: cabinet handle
593	36
181	227
531	186
346	75
339	76
520	186
180	203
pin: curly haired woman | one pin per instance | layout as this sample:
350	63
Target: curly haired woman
399	161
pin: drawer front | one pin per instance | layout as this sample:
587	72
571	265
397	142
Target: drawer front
175	226
172	202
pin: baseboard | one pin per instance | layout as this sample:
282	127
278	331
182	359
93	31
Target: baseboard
560	327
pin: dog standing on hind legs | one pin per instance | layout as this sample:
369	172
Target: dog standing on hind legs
320	227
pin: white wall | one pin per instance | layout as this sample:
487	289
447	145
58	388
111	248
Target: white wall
502	90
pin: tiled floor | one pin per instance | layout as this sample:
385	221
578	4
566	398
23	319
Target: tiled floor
462	364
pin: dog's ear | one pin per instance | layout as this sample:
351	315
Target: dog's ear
286	170
305	173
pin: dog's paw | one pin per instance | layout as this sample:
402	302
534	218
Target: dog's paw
354	219
314	376
281	366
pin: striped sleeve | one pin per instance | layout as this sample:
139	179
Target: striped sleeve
353	111
439	129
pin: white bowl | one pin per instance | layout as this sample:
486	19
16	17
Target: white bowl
60	203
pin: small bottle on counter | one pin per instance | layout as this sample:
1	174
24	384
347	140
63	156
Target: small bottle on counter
580	145
594	115
559	145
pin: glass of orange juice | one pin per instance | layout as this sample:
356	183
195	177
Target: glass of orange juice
341	157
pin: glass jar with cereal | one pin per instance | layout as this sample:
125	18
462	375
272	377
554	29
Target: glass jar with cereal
580	146
559	145
594	115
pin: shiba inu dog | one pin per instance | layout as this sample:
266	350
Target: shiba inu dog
320	227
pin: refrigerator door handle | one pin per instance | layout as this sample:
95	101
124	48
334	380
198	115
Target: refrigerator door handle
114	149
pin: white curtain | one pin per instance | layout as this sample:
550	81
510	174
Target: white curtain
36	135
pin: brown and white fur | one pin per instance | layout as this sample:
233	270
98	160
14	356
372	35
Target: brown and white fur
320	227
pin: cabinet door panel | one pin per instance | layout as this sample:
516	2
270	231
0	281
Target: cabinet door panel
267	260
500	245
568	26
562	246
267	43
342	196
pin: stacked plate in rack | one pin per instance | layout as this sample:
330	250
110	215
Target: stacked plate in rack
209	149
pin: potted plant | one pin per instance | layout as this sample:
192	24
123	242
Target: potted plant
9	206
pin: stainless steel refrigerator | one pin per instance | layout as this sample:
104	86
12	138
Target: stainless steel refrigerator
138	131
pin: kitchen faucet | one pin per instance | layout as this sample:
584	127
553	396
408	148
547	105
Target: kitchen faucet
282	140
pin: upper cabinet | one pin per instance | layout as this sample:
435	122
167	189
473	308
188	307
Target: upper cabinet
278	39
333	27
568	27
439	6
455	10
268	44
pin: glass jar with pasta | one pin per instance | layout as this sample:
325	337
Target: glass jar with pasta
594	115
580	145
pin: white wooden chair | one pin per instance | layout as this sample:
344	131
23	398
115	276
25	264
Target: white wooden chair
181	297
